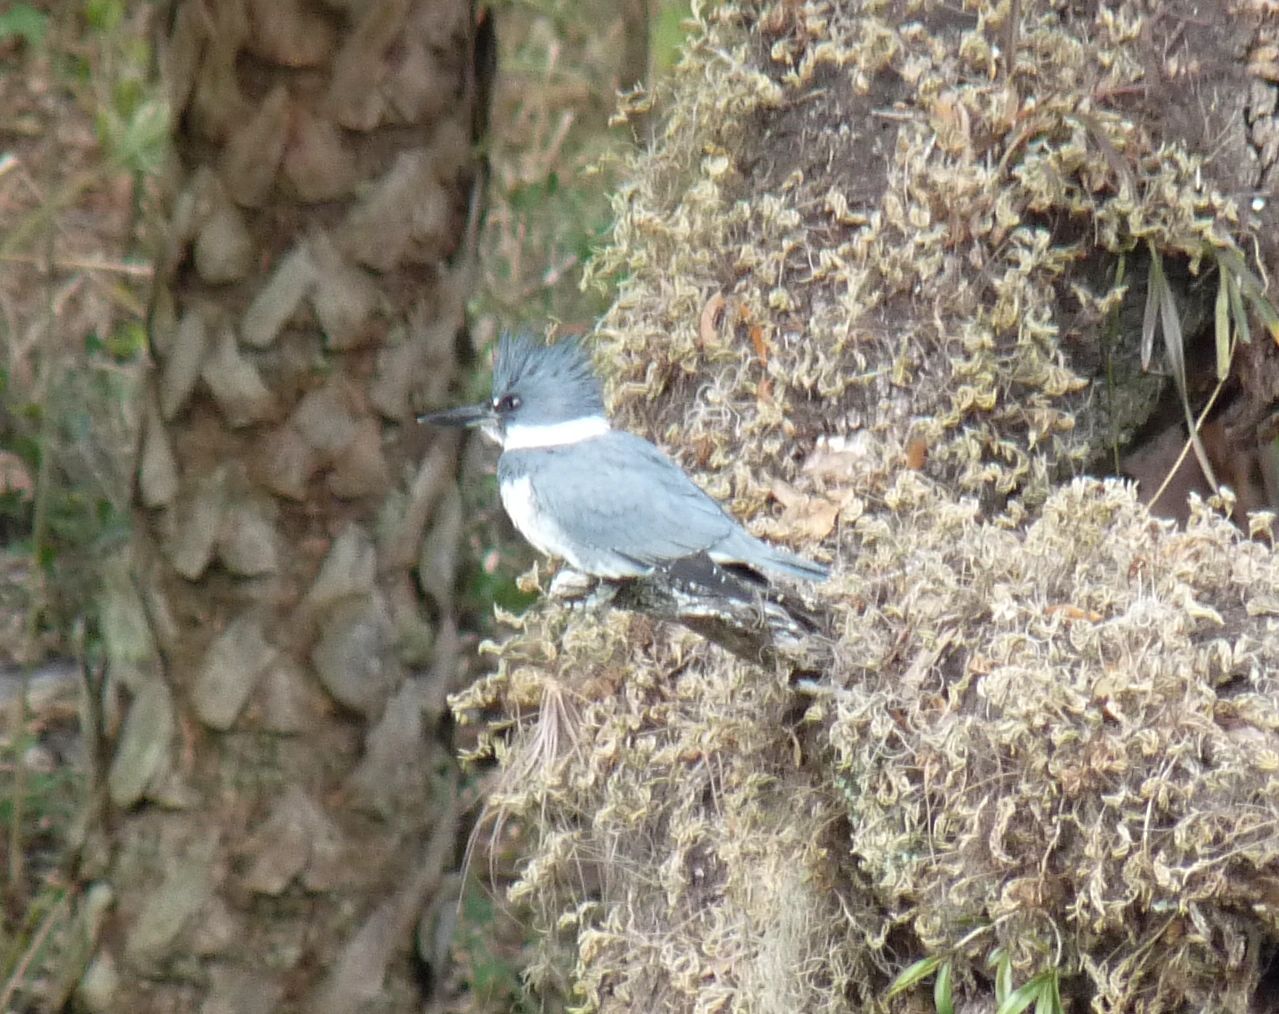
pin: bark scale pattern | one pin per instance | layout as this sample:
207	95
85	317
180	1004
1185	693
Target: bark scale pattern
279	798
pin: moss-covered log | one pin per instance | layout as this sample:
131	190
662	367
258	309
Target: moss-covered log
868	271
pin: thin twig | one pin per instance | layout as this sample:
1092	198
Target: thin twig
37	941
1190	442
134	270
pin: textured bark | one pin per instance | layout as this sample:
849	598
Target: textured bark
279	804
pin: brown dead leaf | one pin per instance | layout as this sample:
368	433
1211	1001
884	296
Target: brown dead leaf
980	665
837	457
760	342
786	494
809	517
1073	612
700	450
916	453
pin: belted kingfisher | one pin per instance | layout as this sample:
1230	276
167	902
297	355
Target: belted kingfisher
606	501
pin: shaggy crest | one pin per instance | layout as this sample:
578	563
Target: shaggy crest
524	362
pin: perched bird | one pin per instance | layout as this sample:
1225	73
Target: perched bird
607	501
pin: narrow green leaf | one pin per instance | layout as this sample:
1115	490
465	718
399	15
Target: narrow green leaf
913	976
1003	975
943	989
1023	996
1249	284
1244	285
1237	309
1121	272
1267	313
1019	999
1223	322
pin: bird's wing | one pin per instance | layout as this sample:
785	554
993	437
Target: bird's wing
632	500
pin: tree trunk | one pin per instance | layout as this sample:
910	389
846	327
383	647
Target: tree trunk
279	800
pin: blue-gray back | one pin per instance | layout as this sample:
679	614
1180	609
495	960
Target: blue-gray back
619	494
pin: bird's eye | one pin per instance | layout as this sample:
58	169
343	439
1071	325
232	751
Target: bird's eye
508	403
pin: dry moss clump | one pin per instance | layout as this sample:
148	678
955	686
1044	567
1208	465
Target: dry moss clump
867	273
1061	740
905	240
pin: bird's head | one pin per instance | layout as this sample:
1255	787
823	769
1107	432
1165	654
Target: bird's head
543	396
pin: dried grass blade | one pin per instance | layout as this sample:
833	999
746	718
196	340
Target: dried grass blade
1175	345
1150	317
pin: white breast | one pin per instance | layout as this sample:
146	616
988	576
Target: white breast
544	534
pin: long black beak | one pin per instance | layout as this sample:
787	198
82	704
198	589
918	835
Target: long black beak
467	416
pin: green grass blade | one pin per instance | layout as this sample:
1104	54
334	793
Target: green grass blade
1031	992
943	989
1003	975
1248	282
1222	322
1251	288
1019	999
1169	319
913	976
1237	309
1261	306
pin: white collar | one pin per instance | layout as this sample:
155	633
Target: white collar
526	437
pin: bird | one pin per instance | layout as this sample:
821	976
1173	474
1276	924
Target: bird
608	502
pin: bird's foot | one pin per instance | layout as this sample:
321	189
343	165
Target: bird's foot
570	585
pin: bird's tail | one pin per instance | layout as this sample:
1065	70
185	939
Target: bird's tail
769	560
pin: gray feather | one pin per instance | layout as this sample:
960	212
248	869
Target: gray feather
625	507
